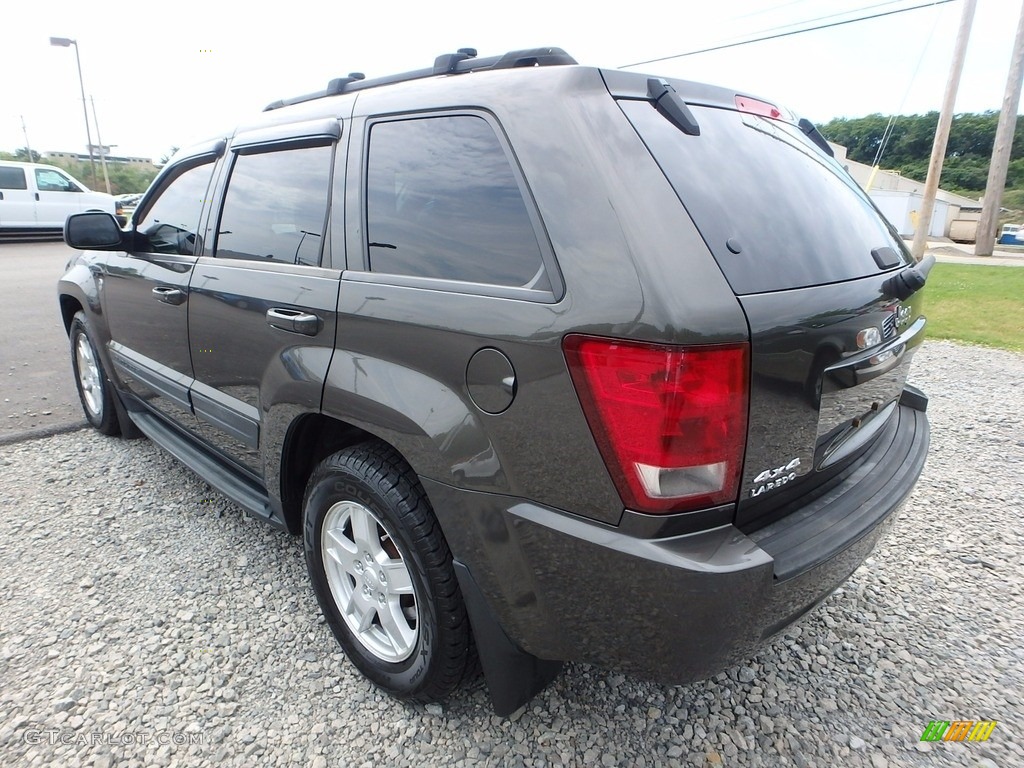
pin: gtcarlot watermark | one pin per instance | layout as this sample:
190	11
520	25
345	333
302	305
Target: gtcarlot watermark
54	736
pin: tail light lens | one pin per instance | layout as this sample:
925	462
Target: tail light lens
670	422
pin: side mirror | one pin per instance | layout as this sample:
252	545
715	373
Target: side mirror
94	230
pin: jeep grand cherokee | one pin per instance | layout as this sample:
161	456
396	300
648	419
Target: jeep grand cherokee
544	362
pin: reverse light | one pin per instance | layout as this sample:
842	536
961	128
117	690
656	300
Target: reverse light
670	422
757	107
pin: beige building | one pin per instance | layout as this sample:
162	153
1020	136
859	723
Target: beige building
899	199
142	162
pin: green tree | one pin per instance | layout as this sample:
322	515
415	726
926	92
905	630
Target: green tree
22	155
909	146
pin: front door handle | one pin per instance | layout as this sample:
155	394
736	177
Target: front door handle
169	295
294	320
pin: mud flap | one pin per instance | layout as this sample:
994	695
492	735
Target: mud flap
513	676
129	431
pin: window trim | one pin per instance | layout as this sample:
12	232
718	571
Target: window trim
364	274
278	144
326	130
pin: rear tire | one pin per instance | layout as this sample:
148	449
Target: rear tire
94	387
382	573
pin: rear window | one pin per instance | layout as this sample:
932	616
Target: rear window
758	186
12	178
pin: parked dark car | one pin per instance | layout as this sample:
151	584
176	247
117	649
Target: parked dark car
544	362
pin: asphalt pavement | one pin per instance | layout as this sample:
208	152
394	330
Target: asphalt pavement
37	391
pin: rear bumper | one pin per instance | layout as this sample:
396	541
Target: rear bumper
681	608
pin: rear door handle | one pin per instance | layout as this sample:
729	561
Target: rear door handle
294	320
169	295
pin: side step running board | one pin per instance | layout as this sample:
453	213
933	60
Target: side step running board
247	494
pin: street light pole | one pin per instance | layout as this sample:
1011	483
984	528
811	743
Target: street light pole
64	42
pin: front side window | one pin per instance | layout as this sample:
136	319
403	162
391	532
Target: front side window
54	181
275	207
171	222
442	201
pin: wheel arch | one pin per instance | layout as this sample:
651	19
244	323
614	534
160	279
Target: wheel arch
69	307
310	438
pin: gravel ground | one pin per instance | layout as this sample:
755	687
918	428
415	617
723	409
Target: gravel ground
144	621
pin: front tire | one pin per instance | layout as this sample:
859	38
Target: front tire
94	387
382	573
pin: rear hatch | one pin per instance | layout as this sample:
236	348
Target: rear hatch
808	256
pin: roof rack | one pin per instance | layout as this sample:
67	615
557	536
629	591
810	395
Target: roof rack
462	61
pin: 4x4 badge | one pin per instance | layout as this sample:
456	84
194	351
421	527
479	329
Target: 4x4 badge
771	479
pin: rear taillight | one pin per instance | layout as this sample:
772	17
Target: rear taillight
757	107
671	422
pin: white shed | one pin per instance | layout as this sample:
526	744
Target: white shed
901	207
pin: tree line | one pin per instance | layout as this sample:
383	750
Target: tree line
968	153
124	179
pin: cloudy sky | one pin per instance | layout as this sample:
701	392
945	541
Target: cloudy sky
169	73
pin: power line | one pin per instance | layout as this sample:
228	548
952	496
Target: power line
790	25
763	11
887	134
828	16
786	34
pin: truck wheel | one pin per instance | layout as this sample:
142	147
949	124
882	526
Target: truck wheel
382	573
94	388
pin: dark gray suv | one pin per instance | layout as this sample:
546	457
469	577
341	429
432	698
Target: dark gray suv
544	362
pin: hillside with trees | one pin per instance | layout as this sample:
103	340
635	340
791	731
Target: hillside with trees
965	169
124	178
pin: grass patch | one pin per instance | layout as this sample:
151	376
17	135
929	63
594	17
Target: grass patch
976	304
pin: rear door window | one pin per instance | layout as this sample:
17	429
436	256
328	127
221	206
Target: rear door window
275	207
775	212
444	202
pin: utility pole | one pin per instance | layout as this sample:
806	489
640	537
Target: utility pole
931	185
103	155
28	146
986	237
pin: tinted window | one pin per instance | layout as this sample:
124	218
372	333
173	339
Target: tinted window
12	178
53	181
276	206
799	219
171	222
443	202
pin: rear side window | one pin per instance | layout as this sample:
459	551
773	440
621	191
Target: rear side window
758	186
171	222
275	207
443	202
12	178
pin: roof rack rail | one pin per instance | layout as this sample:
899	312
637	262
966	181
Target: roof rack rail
462	61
